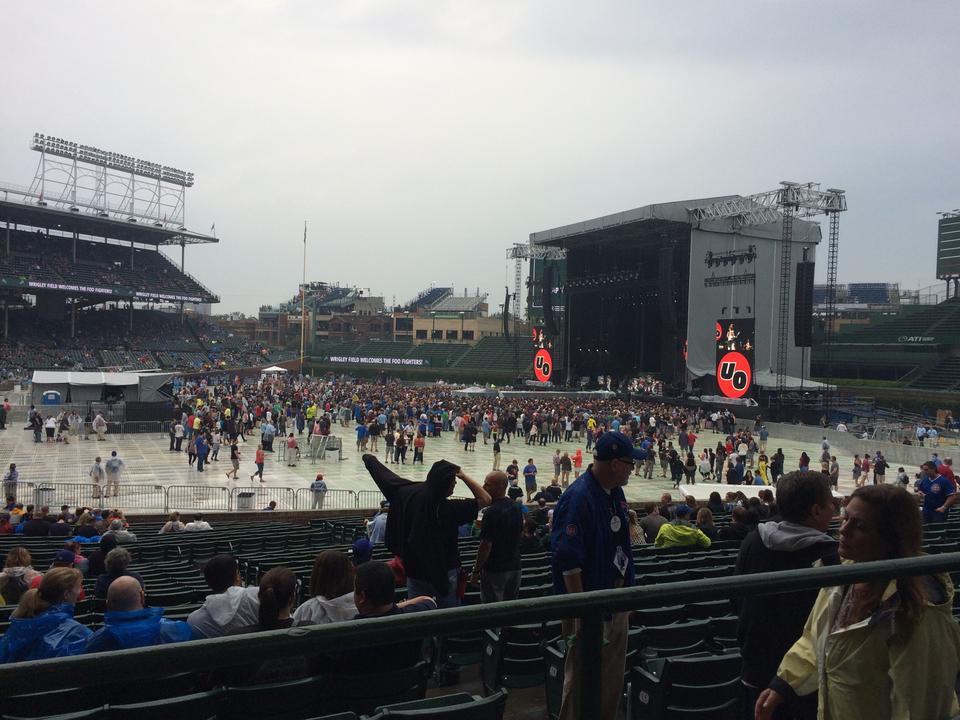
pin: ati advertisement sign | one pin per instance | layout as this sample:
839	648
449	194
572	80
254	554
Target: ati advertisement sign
734	342
542	360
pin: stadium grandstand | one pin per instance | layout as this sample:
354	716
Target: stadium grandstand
84	281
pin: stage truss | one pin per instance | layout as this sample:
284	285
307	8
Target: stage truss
782	205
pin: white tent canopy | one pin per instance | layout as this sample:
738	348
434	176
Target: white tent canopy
88	386
274	370
69	377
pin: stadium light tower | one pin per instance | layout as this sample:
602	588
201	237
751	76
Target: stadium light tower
87	179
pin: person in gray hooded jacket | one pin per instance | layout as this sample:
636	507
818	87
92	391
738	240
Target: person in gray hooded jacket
231	606
770	624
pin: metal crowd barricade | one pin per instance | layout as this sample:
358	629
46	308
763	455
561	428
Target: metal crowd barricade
258	497
138	497
24	490
188	498
318	445
306	499
154	427
369	499
55	494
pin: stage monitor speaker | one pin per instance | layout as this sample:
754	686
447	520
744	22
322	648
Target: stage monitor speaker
803	306
546	282
506	315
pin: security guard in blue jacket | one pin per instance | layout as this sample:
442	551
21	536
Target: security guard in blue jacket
591	551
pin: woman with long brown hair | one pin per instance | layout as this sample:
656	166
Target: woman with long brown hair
887	649
42	626
331	590
17	576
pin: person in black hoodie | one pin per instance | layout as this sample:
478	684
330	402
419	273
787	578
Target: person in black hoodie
98	558
422	525
770	624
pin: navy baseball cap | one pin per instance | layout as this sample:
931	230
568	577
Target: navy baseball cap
616	445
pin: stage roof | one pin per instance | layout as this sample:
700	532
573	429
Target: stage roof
672	212
651	216
84	223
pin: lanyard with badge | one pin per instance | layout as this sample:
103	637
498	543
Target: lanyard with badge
620	559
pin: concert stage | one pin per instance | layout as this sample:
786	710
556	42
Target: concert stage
655	291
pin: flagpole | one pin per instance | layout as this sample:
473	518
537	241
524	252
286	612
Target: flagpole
303	296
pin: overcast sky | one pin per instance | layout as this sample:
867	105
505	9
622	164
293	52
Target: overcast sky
421	139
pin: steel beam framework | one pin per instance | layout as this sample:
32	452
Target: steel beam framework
782	205
528	251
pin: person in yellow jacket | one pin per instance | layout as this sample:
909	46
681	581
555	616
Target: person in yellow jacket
882	650
763	469
680	532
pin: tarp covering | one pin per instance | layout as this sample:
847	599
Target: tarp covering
69	377
89	386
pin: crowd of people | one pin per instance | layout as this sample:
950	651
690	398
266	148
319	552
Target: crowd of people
887	628
878	633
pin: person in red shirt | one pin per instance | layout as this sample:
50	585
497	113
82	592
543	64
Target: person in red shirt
691	440
946	469
258	460
419	442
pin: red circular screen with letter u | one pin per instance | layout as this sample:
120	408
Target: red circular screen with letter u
734	375
542	365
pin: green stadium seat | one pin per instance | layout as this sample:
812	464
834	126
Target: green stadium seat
670	639
512	658
476	708
688	686
288	700
462	650
97	713
429	702
196	706
38	705
647	617
554	659
708	609
364	693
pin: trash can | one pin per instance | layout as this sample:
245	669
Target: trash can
245	500
44	495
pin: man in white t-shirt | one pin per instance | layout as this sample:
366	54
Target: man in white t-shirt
198	524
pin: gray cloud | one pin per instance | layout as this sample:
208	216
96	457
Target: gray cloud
421	139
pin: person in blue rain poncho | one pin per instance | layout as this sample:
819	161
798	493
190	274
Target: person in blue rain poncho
42	626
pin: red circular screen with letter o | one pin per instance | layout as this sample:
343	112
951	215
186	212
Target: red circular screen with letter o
734	375
542	365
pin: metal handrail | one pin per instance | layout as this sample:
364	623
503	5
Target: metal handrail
591	607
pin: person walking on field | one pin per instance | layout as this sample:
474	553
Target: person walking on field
318	491
234	459
113	468
96	477
259	459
